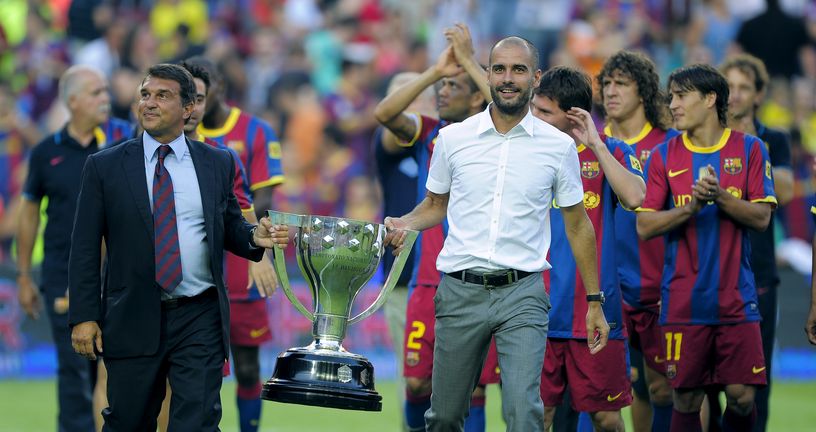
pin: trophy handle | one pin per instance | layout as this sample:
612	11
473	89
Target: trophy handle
393	277
279	260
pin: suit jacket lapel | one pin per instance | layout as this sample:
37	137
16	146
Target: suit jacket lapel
205	172
134	168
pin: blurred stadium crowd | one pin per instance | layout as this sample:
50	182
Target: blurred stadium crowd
315	69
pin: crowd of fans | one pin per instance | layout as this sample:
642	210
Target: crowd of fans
315	69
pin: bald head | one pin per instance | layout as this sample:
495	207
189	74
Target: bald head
516	41
77	76
84	90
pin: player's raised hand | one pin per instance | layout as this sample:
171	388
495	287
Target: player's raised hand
459	38
446	65
597	328
583	128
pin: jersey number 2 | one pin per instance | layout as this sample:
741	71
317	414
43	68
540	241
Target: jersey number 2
417	332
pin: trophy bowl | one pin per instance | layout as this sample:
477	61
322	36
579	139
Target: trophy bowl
337	257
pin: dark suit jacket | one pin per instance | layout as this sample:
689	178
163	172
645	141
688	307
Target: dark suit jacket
113	206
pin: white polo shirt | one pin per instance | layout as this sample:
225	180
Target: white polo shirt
501	190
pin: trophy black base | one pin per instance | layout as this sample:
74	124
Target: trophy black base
325	379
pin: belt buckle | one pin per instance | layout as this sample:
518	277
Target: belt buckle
509	274
171	303
512	276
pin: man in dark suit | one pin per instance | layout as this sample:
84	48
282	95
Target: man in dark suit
164	207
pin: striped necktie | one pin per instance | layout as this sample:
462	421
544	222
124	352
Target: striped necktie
165	232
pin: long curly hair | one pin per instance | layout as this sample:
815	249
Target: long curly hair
643	71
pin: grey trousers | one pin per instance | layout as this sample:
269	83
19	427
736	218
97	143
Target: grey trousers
467	315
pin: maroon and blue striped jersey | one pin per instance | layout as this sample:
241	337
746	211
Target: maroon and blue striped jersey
255	142
640	262
707	277
564	284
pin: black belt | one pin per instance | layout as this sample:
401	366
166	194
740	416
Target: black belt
172	303
492	279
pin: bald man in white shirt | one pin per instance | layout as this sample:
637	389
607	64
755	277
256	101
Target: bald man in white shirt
496	175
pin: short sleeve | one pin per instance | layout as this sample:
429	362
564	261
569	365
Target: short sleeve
439	175
657	185
568	189
265	163
417	119
625	155
760	174
33	189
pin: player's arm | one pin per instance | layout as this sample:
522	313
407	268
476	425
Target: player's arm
262	201
755	208
628	186
652	217
27	226
654	223
581	236
780	155
390	112
459	38
264	172
783	185
754	215
428	213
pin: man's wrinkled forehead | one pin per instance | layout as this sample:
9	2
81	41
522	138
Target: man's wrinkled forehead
520	46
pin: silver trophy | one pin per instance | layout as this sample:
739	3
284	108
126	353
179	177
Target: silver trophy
336	257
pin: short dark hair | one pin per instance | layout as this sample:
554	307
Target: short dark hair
178	74
705	79
207	65
567	86
518	40
642	70
749	65
197	71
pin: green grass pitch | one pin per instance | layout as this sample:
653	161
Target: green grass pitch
31	406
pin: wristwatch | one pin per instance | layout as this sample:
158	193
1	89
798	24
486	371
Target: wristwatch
596	297
252	237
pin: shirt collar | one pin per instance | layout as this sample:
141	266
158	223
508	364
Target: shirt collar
179	146
64	138
486	122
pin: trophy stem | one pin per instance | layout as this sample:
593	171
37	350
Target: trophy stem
329	330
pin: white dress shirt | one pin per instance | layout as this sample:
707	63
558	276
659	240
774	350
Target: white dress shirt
196	274
501	189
